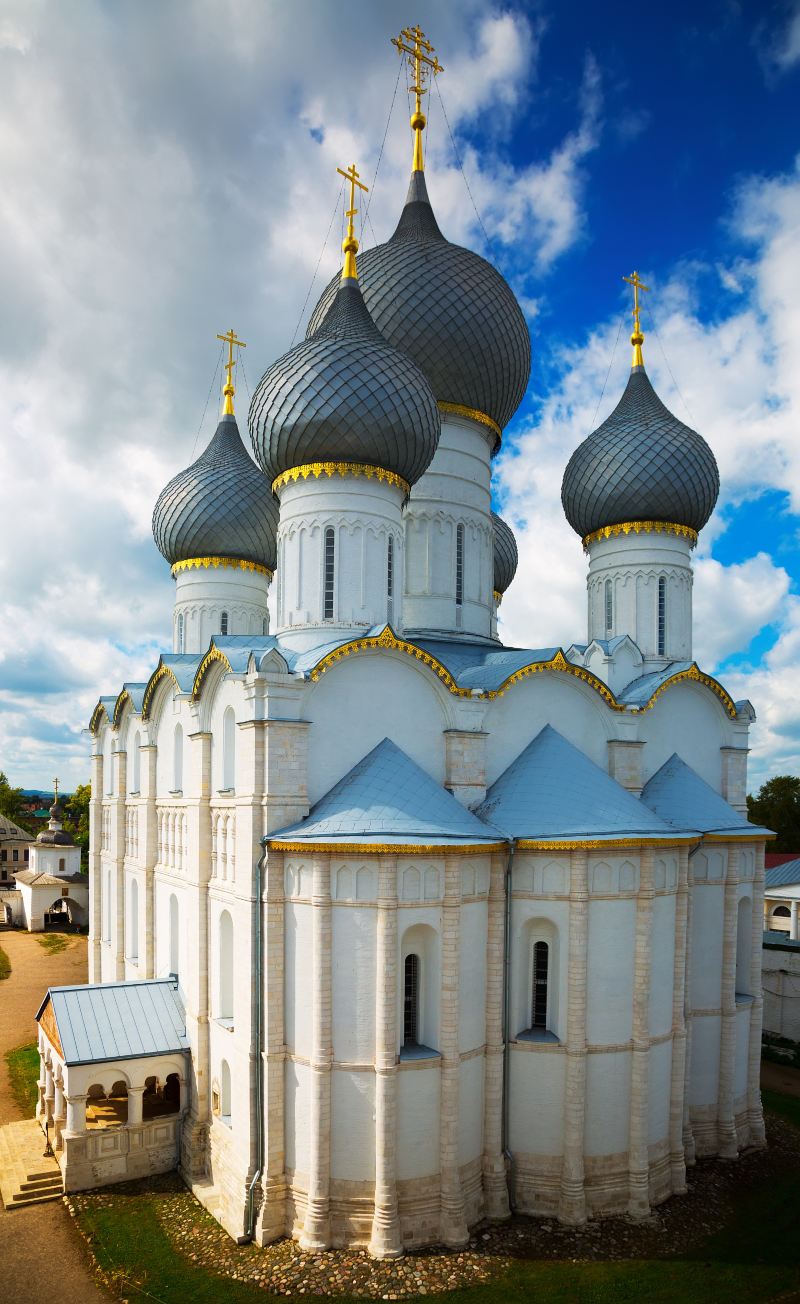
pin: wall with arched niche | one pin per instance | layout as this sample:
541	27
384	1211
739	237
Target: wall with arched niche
688	719
547	697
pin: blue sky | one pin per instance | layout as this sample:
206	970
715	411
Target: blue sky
175	176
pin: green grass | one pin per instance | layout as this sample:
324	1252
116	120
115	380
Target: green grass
23	1073
5	965
53	942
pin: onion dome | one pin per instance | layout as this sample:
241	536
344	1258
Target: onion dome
54	834
505	554
344	395
449	310
220	506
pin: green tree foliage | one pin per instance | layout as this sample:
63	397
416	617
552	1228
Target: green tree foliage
76	818
776	805
11	800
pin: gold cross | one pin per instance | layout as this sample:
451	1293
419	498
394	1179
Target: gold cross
637	338
412	42
350	244
55	792
230	339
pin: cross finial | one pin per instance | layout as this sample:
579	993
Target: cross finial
412	42
55	792
230	339
637	338
350	244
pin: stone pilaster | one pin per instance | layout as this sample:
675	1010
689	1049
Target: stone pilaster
76	1115
453	1226
120	769
95	873
465	764
688	1135
148	855
272	1219
755	1113
677	1160
638	1159
625	763
194	1134
726	1126
572	1206
316	1230
386	1241
135	1101
495	1184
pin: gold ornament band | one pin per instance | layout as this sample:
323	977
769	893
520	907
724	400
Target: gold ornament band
641	527
318	469
601	844
390	848
498	597
459	410
236	563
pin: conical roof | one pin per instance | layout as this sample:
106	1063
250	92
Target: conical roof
505	554
220	506
678	794
345	395
641	464
388	798
448	309
552	790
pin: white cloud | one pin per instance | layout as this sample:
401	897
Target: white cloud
780	49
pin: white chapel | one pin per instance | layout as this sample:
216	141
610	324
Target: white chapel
419	927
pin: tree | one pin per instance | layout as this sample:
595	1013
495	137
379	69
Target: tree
776	806
11	800
76	818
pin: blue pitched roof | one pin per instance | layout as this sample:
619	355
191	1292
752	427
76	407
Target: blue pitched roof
112	1021
554	791
639	691
678	794
387	798
785	875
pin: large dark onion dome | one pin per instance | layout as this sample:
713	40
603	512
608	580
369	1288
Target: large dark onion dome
641	464
505	554
448	309
345	395
220	506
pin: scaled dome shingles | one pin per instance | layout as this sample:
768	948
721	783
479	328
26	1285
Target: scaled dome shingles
345	395
641	464
448	309
505	554
220	506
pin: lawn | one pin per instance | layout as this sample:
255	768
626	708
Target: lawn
755	1258
53	942
23	1073
5	965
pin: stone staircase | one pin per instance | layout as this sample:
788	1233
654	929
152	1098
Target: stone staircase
26	1175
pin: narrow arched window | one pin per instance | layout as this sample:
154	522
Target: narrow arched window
225	1092
744	947
174	936
609	607
229	749
459	565
177	760
223	623
62	864
265	627
225	1001
329	575
390	577
541	964
411	1001
133	923
662	615
180	632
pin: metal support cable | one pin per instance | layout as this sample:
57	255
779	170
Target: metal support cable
319	260
208	400
608	373
461	165
383	143
652	321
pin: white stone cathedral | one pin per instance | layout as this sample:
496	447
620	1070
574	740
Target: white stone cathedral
456	928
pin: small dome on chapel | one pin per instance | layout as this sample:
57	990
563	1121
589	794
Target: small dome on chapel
505	554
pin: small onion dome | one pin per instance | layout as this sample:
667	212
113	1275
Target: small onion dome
220	506
345	395
505	554
54	835
641	464
448	309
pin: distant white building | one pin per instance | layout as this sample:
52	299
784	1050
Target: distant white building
15	845
782	899
52	883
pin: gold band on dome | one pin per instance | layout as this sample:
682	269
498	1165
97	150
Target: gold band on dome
642	527
318	469
459	410
235	563
497	595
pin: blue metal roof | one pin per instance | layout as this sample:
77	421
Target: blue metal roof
387	798
554	791
785	875
639	691
114	1021
775	938
678	794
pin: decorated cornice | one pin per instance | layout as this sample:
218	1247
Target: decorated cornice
119	706
641	527
560	663
694	675
330	469
758	835
388	639
387	848
161	672
212	655
601	844
97	713
236	563
459	410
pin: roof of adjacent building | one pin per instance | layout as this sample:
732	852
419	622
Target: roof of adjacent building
345	394
641	464
114	1021
785	875
43	878
677	793
555	792
775	940
448	309
388	798
506	556
220	506
11	832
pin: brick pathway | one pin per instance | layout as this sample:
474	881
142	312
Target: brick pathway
27	1176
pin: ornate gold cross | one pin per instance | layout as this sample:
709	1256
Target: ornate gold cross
637	338
55	792
350	244
230	339
412	42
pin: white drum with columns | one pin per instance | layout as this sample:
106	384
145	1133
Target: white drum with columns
216	595
640	583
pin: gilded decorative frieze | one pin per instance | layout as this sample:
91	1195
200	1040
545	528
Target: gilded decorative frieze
641	527
330	469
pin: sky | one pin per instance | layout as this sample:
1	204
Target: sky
169	170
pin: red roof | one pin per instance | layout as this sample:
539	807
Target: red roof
773	858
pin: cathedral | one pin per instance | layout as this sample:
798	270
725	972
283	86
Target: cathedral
423	929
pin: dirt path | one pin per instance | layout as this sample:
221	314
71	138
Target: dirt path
33	970
776	1077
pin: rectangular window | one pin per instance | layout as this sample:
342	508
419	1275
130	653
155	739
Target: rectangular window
662	616
459	565
15	854
539	1002
609	607
327	604
223	624
411	1001
3	855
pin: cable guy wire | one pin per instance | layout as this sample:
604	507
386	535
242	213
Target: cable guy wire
208	400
